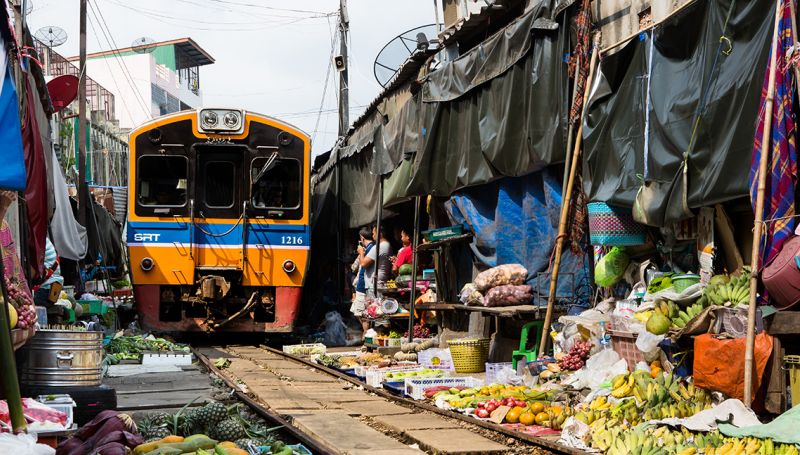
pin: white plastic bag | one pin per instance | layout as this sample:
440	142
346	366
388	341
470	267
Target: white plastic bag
23	444
648	344
603	366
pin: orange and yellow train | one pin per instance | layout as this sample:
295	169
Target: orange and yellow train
217	230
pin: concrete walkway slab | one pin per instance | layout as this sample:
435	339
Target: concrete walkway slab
404	422
345	435
460	442
373	408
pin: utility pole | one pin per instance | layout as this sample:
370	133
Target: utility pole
344	89
83	200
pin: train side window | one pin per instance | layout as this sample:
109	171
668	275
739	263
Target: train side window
278	186
162	180
219	184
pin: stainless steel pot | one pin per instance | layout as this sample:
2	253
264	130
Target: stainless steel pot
62	358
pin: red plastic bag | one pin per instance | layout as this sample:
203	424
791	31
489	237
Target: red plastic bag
719	363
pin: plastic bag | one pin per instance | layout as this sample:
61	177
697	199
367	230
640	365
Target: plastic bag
719	363
603	366
335	329
508	295
501	275
648	343
611	267
470	295
23	444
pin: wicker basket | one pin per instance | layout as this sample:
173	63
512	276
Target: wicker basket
624	344
469	354
613	226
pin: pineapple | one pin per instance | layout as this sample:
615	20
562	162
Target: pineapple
228	430
153	429
214	412
192	424
245	443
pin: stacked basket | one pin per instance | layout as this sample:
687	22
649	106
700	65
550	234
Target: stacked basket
469	354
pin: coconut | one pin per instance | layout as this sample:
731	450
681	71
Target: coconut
658	324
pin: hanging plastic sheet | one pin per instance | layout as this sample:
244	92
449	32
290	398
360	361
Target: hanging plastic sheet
12	173
515	221
693	74
69	237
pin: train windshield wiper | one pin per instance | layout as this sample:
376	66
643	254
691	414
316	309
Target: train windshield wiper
267	166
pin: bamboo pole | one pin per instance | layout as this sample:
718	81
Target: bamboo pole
566	200
759	213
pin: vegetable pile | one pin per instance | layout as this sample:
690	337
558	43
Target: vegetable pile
131	347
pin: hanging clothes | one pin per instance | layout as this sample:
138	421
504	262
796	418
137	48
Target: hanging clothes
779	203
69	236
36	184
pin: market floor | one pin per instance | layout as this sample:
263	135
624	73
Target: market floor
347	419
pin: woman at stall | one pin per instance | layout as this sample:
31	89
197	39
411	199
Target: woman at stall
405	253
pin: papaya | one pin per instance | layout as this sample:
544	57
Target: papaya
190	446
166	451
151	446
195	437
227	445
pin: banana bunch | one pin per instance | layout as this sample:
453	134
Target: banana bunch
678	317
735	292
622	385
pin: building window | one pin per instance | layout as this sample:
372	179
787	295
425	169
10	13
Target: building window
162	180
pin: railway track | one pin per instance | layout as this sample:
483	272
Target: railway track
331	412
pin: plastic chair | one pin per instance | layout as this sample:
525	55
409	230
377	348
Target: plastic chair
523	351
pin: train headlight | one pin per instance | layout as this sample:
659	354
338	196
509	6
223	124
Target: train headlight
289	266
231	120
147	264
210	119
221	121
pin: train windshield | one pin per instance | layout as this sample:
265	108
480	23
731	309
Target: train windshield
162	180
219	182
278	185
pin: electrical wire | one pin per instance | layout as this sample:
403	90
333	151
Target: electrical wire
327	79
95	10
252	5
108	65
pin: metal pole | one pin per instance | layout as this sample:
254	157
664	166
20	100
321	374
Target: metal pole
344	89
340	263
565	204
436	12
759	215
82	188
414	244
378	236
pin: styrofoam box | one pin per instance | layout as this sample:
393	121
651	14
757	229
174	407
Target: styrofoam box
62	403
415	387
166	358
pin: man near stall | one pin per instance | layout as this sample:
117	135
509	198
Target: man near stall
362	265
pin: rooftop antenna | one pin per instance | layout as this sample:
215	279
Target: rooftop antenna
400	48
143	45
51	35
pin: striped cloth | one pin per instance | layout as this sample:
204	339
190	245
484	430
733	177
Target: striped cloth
782	168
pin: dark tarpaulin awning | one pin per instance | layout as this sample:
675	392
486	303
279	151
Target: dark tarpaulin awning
683	73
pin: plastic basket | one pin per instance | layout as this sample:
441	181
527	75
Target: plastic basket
377	376
415	387
493	368
613	226
394	342
792	363
305	349
469	354
624	344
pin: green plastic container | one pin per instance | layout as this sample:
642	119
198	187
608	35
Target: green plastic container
93	307
681	282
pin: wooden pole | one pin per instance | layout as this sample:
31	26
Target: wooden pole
566	200
759	214
414	245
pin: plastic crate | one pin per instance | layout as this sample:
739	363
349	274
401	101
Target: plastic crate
415	387
166	358
376	376
792	363
93	307
493	368
624	344
63	403
305	349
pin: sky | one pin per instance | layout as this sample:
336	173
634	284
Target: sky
272	56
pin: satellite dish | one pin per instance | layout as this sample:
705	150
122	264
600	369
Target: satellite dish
397	51
51	35
63	90
143	45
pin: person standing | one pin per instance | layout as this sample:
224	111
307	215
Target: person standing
365	266
405	253
384	268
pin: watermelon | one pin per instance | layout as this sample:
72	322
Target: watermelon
405	269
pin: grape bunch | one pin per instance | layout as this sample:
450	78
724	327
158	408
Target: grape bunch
576	357
420	331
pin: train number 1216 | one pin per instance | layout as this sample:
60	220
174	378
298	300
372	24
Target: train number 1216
291	240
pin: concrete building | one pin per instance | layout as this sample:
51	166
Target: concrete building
152	79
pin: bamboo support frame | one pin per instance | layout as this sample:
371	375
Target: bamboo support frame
567	199
759	212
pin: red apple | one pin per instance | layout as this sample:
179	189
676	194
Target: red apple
490	407
482	413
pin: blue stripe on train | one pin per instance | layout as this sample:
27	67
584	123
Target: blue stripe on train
166	232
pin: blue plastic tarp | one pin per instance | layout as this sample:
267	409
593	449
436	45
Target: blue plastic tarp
12	172
515	221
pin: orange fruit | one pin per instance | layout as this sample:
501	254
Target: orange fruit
541	418
556	410
537	407
526	418
513	415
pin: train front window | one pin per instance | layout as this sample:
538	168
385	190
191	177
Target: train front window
275	185
219	182
162	180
